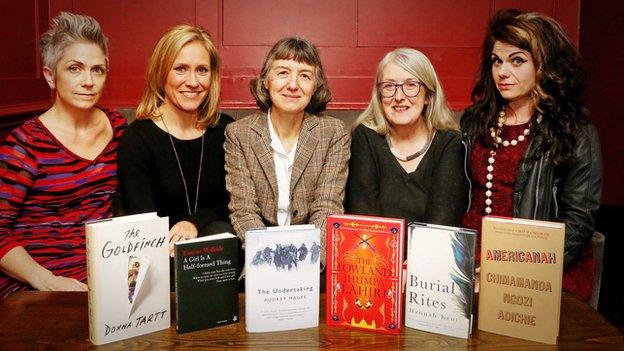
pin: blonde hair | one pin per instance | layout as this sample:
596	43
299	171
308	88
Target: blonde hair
437	114
66	29
160	63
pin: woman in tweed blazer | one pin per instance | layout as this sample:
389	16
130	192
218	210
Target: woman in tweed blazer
288	136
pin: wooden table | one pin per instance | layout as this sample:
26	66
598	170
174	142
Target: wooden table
58	320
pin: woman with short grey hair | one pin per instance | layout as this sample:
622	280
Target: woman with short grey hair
59	169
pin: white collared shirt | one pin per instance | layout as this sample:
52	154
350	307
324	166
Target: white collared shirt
283	162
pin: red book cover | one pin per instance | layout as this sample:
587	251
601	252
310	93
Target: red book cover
364	272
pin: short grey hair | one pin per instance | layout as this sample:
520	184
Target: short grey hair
66	29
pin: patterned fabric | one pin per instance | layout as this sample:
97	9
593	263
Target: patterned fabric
505	172
318	179
48	193
578	278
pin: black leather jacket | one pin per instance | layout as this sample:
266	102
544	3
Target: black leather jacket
570	193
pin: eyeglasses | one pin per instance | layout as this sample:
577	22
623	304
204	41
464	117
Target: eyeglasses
410	88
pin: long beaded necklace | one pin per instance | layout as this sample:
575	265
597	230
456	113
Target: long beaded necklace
201	159
495	133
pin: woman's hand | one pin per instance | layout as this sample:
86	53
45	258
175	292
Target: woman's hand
183	230
17	263
46	281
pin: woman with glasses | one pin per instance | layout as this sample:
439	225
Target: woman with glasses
532	152
406	152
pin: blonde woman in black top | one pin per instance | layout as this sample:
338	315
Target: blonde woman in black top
171	160
406	152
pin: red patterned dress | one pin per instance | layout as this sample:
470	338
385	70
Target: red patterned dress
48	192
577	278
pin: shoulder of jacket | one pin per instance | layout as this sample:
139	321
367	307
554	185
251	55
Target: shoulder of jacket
330	122
248	120
588	130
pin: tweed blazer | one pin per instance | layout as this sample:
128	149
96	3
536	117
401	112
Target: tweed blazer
319	173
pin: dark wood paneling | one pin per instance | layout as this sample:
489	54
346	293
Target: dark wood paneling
602	49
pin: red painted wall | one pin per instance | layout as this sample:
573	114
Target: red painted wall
22	88
352	36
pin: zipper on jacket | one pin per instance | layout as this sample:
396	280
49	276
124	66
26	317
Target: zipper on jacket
539	176
555	199
466	174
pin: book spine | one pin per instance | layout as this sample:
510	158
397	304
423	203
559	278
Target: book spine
331	271
177	277
401	279
92	285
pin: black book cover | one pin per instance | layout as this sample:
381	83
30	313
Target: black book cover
206	282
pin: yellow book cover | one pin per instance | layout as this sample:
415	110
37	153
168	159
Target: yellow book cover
520	282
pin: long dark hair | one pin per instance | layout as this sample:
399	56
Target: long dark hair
559	81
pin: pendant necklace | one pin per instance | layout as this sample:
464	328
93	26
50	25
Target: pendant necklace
201	158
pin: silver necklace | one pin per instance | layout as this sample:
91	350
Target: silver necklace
201	159
413	156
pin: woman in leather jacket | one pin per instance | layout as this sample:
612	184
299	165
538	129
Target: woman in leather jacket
531	151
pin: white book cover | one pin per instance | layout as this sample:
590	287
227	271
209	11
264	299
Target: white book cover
440	279
282	278
128	277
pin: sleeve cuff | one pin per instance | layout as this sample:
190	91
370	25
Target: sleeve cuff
8	246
